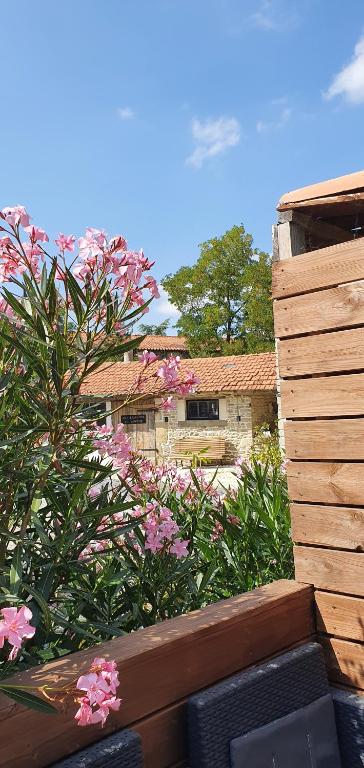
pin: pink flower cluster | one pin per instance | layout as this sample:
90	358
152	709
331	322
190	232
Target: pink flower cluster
98	257
115	445
127	268
15	627
99	698
161	530
168	378
169	371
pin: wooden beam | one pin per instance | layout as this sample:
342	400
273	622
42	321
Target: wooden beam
158	667
321	230
330	569
334	352
291	240
329	200
340	615
337	439
324	268
338	527
330	309
344	661
326	482
323	396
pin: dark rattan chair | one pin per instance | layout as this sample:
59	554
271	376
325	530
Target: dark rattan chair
120	750
349	711
252	699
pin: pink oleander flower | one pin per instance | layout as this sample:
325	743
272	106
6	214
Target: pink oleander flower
36	233
168	404
217	531
179	548
94	685
16	215
5	309
65	242
100	685
147	357
152	286
15	628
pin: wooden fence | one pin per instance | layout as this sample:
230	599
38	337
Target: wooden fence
159	667
319	322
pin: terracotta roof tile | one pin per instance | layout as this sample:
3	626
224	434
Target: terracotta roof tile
237	373
162	343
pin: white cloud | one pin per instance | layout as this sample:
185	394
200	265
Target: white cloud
273	16
163	305
349	83
273	125
212	137
126	113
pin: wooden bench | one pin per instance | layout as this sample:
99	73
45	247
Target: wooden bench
203	450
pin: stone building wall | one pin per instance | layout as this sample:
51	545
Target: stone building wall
239	414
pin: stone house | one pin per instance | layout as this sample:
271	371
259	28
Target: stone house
236	394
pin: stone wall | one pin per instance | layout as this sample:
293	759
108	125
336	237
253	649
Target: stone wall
240	412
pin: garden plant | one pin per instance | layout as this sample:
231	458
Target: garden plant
95	541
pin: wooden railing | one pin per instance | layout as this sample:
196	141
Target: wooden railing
159	667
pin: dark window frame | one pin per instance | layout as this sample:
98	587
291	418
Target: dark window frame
203	405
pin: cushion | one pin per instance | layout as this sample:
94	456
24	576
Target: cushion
303	739
251	699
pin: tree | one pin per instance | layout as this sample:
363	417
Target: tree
155	330
224	299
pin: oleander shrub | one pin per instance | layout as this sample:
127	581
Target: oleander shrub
94	540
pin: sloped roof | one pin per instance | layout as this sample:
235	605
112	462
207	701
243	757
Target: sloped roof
349	183
237	373
161	343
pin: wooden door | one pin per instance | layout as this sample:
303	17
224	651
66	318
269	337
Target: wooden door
139	425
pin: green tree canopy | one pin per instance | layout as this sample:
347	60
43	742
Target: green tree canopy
155	330
225	298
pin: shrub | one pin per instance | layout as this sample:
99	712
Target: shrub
95	540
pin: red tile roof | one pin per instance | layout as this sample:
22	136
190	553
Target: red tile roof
164	343
237	373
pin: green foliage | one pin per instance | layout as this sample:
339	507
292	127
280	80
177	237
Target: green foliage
266	448
225	298
160	329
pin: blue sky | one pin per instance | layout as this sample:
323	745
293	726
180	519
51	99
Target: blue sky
171	120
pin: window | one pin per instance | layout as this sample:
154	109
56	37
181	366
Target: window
202	409
97	411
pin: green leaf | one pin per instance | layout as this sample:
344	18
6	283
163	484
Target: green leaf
28	699
61	355
15	575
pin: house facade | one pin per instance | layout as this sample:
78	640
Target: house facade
235	395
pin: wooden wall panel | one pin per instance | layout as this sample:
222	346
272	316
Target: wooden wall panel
325	353
340	527
339	307
326	482
340	615
323	268
319	325
330	569
345	661
323	396
340	439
